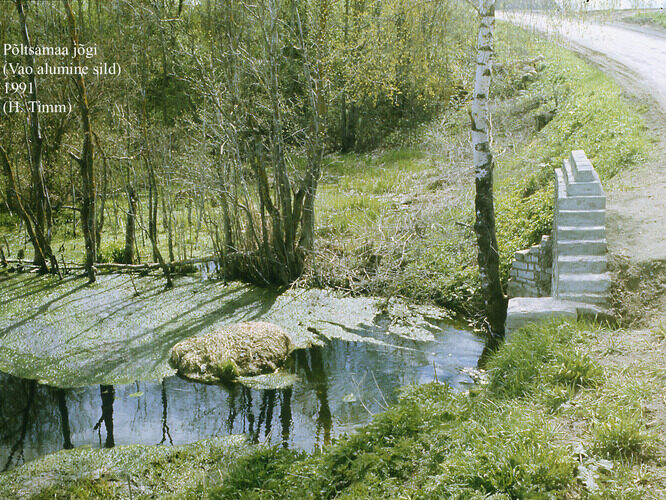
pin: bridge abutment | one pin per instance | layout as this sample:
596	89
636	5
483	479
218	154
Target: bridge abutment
574	257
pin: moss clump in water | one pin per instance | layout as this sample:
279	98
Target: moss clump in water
246	349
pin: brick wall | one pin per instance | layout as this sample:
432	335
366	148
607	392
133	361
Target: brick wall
532	270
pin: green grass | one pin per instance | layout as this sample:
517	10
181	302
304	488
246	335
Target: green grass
660	333
500	440
553	361
622	437
399	222
657	19
68	243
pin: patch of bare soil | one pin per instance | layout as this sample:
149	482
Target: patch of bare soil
636	228
636	208
636	233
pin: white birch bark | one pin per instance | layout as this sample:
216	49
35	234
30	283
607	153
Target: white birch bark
484	227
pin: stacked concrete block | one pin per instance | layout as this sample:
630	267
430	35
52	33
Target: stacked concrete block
580	282
531	271
579	234
525	310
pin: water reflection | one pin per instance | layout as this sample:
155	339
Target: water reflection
16	440
64	419
311	364
107	395
166	433
339	387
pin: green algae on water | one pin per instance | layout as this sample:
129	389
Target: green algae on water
67	333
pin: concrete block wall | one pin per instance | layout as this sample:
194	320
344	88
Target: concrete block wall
531	271
580	283
579	234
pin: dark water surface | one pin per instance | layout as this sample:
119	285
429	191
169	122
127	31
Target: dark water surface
339	386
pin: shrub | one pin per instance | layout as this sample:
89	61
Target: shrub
112	253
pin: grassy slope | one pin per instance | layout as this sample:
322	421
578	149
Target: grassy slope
398	222
656	19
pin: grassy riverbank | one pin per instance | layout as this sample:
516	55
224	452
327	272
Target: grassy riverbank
557	419
569	410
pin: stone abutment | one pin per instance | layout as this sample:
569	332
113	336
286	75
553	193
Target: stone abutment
566	274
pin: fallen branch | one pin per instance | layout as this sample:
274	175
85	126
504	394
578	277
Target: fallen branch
67	207
148	266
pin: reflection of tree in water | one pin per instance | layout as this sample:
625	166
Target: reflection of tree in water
17	448
240	402
285	414
37	419
231	404
246	410
316	375
166	433
266	412
108	394
241	399
64	419
32	416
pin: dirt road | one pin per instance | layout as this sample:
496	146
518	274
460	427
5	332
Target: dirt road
636	219
640	54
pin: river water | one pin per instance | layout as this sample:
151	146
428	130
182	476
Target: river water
338	387
89	365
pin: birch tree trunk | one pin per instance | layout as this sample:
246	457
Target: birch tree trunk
494	299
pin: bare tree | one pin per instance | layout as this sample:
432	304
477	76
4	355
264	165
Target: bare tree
40	243
39	210
315	138
130	227
86	160
267	201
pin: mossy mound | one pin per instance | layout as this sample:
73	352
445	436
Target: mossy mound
242	349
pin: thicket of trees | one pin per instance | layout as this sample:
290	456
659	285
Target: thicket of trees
223	111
